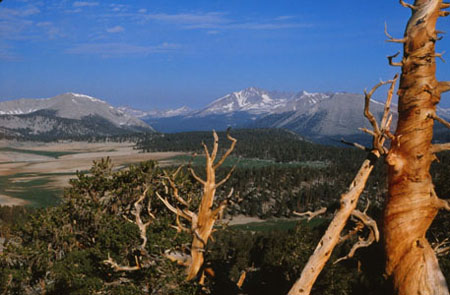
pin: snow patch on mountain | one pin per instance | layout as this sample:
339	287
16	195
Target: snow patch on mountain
72	106
251	100
181	111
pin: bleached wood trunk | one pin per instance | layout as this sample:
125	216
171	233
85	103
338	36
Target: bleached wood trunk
412	203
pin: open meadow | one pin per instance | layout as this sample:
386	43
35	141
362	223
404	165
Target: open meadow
35	174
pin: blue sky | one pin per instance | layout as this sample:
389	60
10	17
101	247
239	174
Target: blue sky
169	53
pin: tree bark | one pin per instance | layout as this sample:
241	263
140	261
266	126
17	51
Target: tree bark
412	203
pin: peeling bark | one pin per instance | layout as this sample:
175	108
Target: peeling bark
411	205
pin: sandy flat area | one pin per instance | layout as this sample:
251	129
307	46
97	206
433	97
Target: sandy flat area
242	219
8	201
12	162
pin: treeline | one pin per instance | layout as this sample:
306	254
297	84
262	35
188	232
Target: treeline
124	136
271	144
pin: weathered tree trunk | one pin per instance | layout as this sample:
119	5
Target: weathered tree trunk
205	223
202	222
412	203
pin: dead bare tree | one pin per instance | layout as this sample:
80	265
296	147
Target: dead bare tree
202	221
138	212
412	202
349	200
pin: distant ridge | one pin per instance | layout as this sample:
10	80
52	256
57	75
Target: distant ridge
66	115
324	117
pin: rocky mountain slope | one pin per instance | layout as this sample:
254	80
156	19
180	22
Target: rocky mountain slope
65	116
317	116
322	117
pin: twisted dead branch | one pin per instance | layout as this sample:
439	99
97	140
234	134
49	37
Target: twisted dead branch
311	214
349	199
374	234
139	222
202	221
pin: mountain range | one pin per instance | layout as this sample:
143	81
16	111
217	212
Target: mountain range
322	117
67	115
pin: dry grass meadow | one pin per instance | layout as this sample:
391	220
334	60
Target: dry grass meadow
29	169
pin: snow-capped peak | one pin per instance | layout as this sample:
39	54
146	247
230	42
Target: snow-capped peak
184	110
86	96
71	106
252	100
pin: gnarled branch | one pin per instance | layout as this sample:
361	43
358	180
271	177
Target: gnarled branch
443	86
392	39
379	132
118	267
442	248
348	200
440	147
228	152
356	145
202	221
311	214
440	120
440	56
407	5
443	13
374	234
392	63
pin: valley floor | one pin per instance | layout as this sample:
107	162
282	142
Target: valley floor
29	168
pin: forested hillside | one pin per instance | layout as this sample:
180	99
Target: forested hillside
92	244
279	145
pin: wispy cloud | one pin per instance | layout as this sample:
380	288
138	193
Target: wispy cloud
14	23
7	53
6	13
205	19
30	11
118	7
84	4
249	26
50	29
44	24
115	50
284	17
214	21
116	29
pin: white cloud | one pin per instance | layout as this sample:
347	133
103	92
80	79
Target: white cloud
142	10
30	11
111	50
76	10
209	18
7	54
116	29
214	21
6	13
284	17
84	4
118	7
44	24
